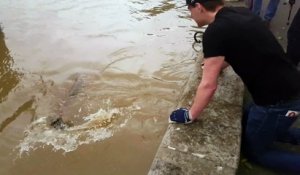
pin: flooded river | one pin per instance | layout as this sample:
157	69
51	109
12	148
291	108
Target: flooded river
113	70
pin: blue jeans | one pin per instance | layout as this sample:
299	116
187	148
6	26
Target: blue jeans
270	11
266	125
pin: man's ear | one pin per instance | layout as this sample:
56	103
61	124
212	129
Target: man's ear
200	7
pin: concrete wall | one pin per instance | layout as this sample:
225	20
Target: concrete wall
210	145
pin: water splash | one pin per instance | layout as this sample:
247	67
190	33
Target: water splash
97	126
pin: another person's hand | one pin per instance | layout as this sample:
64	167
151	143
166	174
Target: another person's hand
180	115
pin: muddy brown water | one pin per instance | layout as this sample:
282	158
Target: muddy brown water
114	69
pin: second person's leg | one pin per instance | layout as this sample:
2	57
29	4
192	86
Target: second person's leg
271	10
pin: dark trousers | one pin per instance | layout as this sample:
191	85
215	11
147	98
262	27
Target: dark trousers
265	125
293	37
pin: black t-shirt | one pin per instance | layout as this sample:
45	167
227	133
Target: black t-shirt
254	54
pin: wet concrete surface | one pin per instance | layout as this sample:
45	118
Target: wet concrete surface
210	145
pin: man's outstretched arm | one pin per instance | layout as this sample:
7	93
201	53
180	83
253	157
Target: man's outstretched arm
208	85
205	91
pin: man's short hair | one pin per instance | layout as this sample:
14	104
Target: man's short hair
209	5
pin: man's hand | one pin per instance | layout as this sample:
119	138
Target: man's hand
180	115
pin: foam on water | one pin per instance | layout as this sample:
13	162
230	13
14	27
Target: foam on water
97	126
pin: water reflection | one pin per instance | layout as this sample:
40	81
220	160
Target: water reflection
9	78
162	8
147	9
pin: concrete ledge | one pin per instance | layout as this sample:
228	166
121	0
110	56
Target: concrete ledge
211	145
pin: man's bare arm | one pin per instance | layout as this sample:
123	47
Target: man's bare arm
208	85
